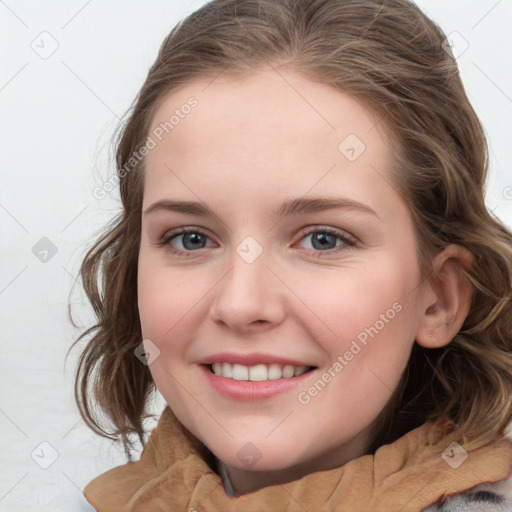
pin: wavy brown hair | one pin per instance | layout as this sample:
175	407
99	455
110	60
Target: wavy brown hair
392	58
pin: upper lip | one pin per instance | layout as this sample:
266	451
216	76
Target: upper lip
251	359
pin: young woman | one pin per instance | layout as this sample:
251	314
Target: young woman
340	338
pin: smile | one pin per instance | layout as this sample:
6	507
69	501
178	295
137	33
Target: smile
259	372
267	381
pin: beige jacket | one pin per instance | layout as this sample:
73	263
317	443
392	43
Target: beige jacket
175	474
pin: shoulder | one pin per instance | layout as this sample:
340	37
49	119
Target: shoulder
485	497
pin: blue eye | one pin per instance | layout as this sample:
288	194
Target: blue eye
324	240
192	239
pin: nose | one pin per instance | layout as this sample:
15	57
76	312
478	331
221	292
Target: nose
250	296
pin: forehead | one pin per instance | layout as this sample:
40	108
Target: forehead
272	127
264	103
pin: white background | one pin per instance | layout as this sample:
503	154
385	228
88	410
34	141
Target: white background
57	117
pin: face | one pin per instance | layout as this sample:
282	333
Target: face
297	274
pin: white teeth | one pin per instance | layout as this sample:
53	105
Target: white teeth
274	372
226	370
259	372
240	372
288	371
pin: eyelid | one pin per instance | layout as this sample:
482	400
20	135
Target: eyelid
349	241
341	233
174	233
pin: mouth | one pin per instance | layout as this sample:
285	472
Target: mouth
255	376
257	373
255	383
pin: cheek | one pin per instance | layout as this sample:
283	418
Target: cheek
170	301
348	301
154	298
368	319
166	308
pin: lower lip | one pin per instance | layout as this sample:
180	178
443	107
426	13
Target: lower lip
248	390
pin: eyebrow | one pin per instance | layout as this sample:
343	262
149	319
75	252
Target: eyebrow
288	208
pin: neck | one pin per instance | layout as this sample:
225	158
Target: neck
238	482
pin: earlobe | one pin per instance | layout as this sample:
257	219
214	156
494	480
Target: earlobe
449	299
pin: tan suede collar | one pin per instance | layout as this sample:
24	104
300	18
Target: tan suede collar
173	474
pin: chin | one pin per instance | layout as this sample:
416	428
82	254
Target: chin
250	458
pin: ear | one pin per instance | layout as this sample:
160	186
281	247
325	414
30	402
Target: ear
448	298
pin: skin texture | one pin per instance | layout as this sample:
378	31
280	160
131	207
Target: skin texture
249	145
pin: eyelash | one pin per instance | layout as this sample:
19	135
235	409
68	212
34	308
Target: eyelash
347	240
